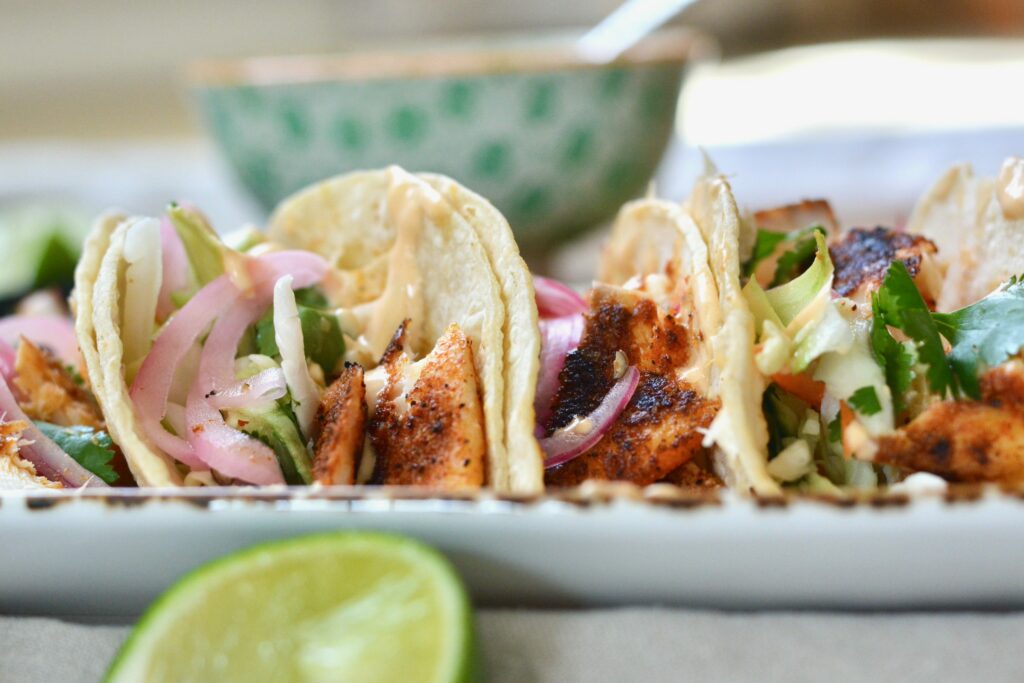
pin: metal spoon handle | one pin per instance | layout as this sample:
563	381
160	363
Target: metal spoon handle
626	25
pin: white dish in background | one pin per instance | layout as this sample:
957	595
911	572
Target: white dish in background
86	555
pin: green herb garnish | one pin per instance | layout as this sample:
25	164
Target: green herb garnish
90	448
898	303
865	401
984	334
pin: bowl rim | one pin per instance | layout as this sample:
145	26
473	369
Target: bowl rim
465	56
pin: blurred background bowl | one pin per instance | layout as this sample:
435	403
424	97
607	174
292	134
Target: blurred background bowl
556	143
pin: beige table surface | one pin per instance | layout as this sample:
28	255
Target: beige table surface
649	645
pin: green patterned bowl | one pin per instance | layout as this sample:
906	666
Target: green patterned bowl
555	143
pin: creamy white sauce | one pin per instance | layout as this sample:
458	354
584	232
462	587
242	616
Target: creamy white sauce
374	381
580	426
410	204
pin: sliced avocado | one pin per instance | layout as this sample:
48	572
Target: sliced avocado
277	430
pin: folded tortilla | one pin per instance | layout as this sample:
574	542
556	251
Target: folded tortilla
99	289
978	233
739	432
697	247
404	247
472	273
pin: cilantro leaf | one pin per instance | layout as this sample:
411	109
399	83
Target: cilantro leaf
984	334
895	359
92	449
898	303
865	401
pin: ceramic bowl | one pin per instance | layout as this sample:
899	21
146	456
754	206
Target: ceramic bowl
556	143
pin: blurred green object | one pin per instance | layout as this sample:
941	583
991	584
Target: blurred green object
350	606
557	144
41	244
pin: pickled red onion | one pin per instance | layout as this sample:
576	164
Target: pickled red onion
175	268
262	388
558	337
149	391
566	444
222	448
555	299
153	382
54	332
306	268
49	459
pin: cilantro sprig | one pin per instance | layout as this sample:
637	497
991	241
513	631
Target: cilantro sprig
898	303
980	336
91	448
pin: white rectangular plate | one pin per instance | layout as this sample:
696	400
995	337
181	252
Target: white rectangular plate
94	555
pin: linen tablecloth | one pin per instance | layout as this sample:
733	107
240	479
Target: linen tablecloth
640	644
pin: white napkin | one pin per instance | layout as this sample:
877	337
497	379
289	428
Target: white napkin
640	644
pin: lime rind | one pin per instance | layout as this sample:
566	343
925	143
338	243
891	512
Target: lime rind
458	663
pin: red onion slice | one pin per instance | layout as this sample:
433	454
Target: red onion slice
564	445
262	388
175	268
221	447
49	459
55	332
306	268
558	338
555	299
153	382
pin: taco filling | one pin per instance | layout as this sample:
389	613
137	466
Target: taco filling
871	377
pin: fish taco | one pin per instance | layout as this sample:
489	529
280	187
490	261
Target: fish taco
361	341
636	375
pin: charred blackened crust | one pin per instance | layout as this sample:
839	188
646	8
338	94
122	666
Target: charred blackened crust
341	419
396	345
659	431
863	256
660	428
617	320
432	435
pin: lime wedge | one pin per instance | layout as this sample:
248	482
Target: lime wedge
353	607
